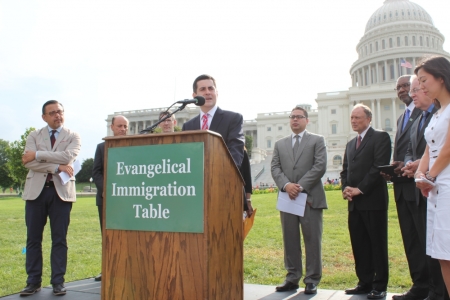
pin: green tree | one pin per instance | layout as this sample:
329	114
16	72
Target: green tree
17	170
86	170
249	144
6	180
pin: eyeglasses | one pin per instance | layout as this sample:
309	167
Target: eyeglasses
298	117
53	113
168	120
404	85
414	91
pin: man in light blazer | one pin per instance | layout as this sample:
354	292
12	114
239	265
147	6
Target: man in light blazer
367	195
298	164
227	123
434	283
119	126
48	152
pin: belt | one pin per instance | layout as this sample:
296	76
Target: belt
49	184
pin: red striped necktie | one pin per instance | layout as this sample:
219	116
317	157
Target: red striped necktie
205	122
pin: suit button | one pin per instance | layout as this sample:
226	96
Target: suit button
432	141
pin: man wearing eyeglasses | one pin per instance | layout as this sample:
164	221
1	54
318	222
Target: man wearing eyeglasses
298	164
168	125
416	148
411	224
49	151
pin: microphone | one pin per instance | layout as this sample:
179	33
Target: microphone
199	101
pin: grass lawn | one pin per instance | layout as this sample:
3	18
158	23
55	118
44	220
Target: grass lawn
263	249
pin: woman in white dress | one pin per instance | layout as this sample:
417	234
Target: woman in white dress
434	78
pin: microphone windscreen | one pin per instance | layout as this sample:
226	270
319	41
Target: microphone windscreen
200	101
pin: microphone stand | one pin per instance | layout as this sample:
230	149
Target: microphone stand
151	129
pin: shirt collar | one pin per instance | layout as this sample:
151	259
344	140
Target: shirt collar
411	107
300	135
211	112
430	109
364	132
57	129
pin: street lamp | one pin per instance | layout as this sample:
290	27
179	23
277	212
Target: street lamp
90	184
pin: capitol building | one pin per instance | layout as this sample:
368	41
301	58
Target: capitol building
399	31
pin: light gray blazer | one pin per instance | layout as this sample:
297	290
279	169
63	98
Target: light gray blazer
66	149
306	168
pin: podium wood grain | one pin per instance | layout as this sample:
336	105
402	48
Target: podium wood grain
144	265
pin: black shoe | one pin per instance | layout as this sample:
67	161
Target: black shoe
98	277
359	289
374	294
310	289
59	289
30	289
407	296
286	286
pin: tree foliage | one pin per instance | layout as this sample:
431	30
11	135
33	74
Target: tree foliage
86	170
17	170
6	180
249	144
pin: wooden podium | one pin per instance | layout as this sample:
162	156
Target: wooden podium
159	265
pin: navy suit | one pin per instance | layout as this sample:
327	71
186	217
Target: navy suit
97	176
229	125
367	217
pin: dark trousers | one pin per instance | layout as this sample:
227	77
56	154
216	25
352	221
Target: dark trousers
100	216
36	211
412	219
368	235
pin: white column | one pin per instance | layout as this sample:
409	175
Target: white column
414	63
385	71
396	76
378	112
372	106
394	115
370	74
377	72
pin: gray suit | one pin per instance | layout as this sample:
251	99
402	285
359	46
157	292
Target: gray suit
306	168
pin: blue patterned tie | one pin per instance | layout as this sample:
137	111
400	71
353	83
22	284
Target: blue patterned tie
405	119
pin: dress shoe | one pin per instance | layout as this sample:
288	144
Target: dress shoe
359	289
407	296
374	294
310	288
286	286
98	277
30	289
59	289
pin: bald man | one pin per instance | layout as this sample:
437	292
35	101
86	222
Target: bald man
119	126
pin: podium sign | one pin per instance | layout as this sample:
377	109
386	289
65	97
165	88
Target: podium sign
156	188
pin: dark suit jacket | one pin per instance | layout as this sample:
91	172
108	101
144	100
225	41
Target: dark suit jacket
403	185
97	172
417	145
360	170
229	125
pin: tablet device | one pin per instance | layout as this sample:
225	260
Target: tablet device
425	181
388	169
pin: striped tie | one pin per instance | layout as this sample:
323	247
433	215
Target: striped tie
205	122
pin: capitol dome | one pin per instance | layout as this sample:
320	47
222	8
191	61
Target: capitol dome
398	11
398	33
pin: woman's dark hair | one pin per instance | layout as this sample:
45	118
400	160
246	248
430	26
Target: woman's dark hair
437	66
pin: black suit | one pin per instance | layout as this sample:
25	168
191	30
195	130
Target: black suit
432	276
229	125
367	218
97	176
411	214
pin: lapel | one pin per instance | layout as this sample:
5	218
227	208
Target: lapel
415	113
304	140
289	149
364	141
62	135
196	123
215	123
421	133
45	136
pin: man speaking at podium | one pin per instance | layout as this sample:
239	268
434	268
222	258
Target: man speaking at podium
227	123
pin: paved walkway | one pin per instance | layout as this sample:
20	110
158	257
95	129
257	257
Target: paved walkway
88	289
